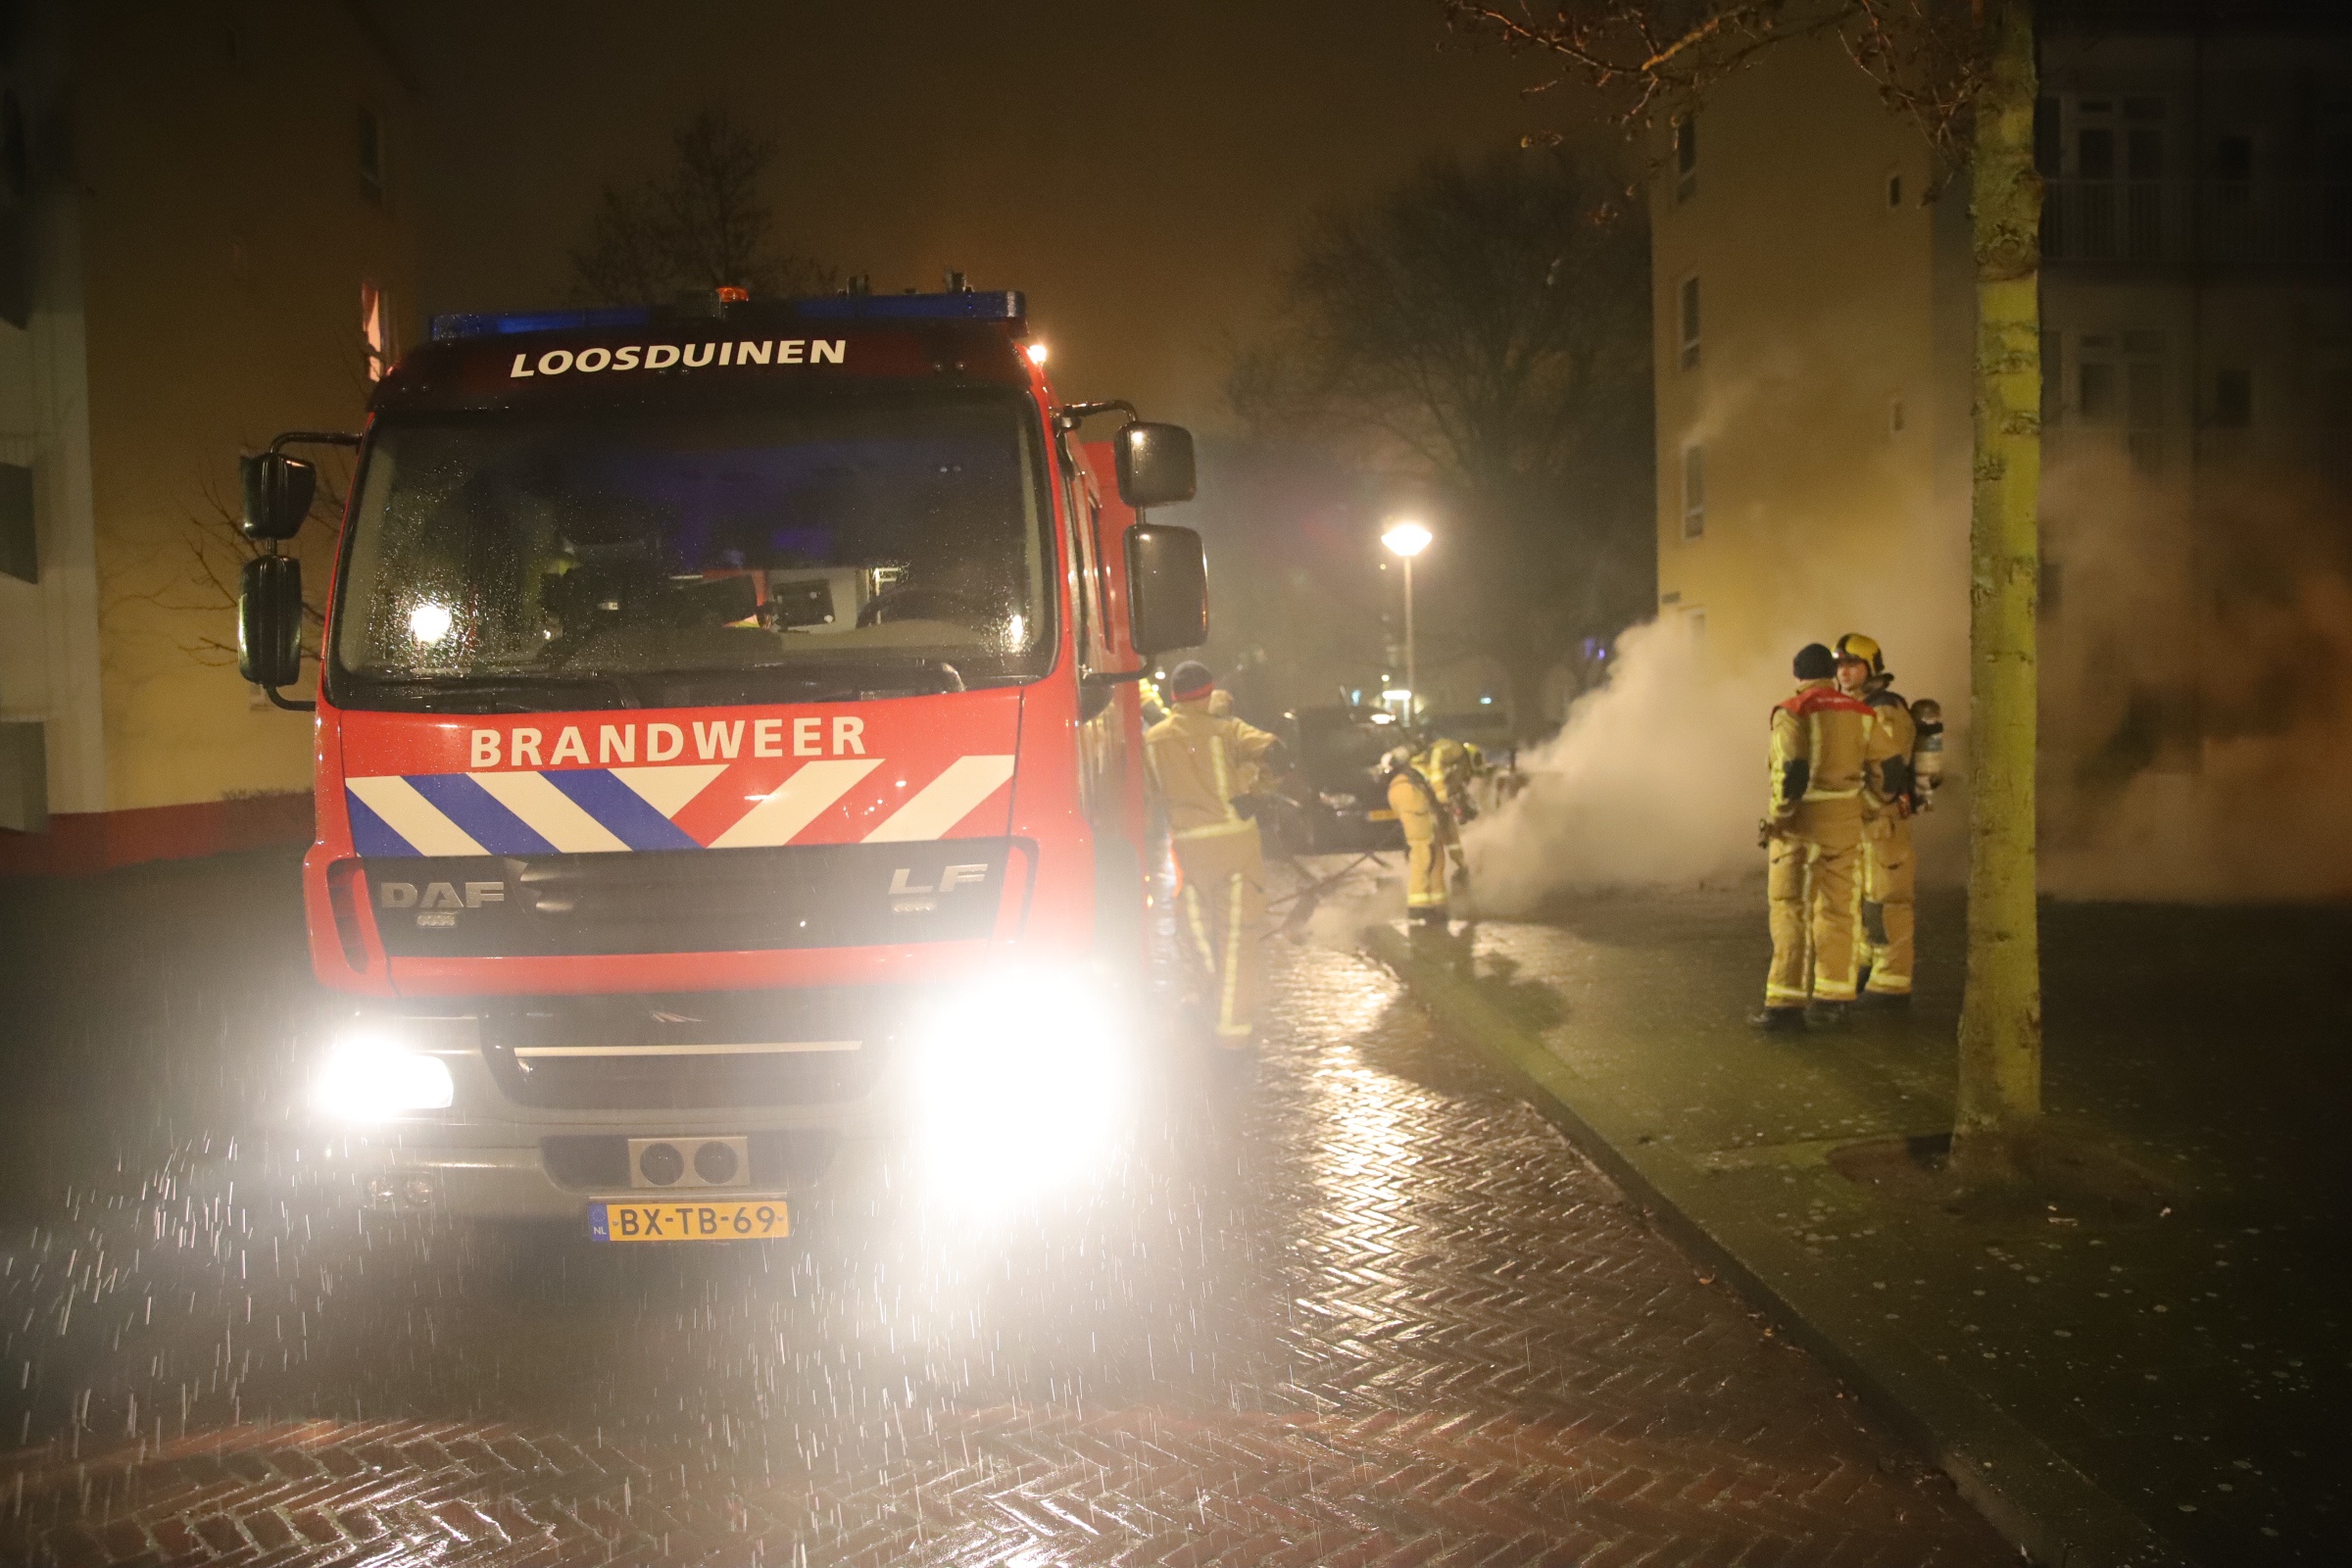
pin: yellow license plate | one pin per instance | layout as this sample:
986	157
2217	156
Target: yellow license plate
672	1219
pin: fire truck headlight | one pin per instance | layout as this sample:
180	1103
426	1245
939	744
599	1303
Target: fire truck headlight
369	1075
1021	1081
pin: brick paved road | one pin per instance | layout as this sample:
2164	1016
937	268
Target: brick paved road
1348	1304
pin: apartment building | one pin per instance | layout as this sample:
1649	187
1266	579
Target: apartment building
1814	318
205	238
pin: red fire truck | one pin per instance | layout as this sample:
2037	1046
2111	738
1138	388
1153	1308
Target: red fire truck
713	704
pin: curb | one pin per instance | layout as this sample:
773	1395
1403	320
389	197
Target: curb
2046	1507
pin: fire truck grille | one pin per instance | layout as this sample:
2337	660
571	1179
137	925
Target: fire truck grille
688	900
704	1051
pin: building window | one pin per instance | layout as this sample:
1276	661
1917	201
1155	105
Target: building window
2094	383
1694	491
1689	323
19	542
16	240
2119	381
2234	398
375	327
1686	158
2111	203
371	155
1894	191
2106	169
1896	416
2143	401
2233	171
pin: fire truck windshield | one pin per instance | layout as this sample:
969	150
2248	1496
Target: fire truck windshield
803	551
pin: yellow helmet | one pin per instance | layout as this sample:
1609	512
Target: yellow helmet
1853	645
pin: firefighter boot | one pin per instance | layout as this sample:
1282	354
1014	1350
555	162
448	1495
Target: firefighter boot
1774	1020
1890	881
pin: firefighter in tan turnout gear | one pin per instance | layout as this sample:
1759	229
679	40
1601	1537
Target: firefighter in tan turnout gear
1447	767
1201	762
1428	831
1822	744
1900	788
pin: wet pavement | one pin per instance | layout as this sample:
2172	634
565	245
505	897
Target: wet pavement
1349	1302
2182	1343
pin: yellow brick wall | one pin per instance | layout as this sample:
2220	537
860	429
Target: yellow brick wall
225	239
1819	314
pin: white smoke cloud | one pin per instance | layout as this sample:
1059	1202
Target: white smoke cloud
2194	744
2196	675
1656	779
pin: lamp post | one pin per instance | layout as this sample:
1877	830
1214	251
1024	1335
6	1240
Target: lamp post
1405	539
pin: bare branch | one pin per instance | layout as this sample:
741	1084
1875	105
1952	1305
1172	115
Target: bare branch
1657	59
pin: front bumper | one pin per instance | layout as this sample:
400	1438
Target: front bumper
546	1096
501	1172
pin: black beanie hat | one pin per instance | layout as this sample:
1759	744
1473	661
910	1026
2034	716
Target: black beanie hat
1190	682
1815	663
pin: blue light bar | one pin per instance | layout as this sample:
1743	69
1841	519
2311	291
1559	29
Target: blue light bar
1003	304
446	327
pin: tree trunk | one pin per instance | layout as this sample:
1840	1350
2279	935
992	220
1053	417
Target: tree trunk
2000	1019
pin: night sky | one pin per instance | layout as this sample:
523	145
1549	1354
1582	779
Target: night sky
1142	171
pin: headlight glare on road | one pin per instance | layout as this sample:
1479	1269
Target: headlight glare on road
369	1075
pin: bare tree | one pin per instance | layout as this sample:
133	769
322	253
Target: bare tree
701	224
1481	335
216	552
1965	70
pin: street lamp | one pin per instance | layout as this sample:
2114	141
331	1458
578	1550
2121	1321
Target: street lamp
1407	539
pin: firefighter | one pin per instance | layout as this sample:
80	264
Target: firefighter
1447	766
1893	793
1198	762
1424	820
1819	740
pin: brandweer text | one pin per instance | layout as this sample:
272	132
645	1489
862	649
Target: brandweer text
720	741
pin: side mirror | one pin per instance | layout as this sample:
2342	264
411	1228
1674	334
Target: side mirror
1155	464
269	622
1167	588
278	494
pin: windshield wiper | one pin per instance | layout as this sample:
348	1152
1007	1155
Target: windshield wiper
503	693
804	680
872	678
950	677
